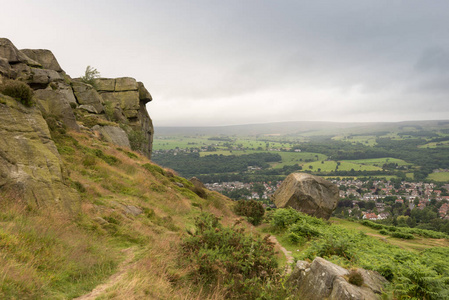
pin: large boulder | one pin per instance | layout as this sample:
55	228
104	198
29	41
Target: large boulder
310	194
30	166
44	57
322	279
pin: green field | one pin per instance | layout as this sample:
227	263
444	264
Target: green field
379	161
181	142
292	158
367	140
441	176
329	166
435	145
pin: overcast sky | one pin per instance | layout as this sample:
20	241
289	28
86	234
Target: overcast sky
223	62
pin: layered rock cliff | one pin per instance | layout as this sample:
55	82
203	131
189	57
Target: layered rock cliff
29	162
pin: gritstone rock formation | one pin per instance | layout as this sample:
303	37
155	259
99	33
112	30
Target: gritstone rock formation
322	279
30	165
307	193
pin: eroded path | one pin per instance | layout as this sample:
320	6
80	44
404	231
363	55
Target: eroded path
115	278
288	254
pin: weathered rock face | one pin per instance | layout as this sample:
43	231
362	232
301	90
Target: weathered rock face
120	100
44	57
114	135
125	99
56	103
85	94
307	193
13	55
322	279
30	165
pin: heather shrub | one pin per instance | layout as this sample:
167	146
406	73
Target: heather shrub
19	91
243	264
355	278
251	209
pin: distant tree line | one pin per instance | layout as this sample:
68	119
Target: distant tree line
192	164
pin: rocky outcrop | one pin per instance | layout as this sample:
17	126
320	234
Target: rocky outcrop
13	55
125	100
43	57
310	194
56	103
85	94
120	100
30	166
322	279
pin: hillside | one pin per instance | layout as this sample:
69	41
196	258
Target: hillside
86	214
298	128
415	264
126	203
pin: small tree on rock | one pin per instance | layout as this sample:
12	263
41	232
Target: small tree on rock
90	75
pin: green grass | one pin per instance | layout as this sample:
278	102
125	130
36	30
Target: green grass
380	161
329	166
441	176
367	140
416	245
292	158
41	255
167	143
443	144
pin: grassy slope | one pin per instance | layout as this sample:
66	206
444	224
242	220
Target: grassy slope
52	255
415	245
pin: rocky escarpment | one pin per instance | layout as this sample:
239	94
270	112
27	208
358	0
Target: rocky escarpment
118	102
30	165
307	193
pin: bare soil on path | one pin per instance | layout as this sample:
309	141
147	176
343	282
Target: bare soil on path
116	277
288	254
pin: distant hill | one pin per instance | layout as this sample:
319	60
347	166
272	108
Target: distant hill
304	128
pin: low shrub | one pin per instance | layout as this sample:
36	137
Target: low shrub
305	230
251	209
402	235
136	139
19	91
355	278
242	264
